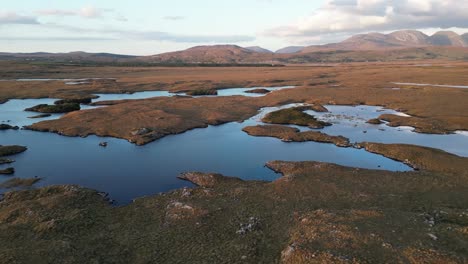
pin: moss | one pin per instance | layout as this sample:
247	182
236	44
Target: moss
11	150
19	182
5	161
294	116
7	171
290	134
60	108
86	100
374	121
258	91
202	92
6	127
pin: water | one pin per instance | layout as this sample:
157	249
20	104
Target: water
12	112
127	171
433	85
350	122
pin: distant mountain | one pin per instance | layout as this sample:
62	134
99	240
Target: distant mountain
259	49
410	37
447	38
288	50
217	54
397	39
399	45
66	57
465	37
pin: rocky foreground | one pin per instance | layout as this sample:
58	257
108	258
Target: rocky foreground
315	213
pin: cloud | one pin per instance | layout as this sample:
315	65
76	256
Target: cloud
174	17
341	17
14	18
182	38
115	34
84	12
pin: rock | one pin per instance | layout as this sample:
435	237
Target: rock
7	171
433	237
6	127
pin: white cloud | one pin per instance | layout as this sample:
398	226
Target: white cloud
346	17
84	12
14	18
174	17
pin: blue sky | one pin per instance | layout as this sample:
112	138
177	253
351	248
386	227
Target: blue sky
147	27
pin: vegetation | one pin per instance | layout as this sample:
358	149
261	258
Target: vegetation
6	127
11	150
86	100
202	92
259	91
294	116
316	213
7	171
19	182
59	108
374	121
290	134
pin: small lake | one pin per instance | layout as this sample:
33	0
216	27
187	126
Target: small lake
126	171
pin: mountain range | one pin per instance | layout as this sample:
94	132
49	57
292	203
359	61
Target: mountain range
403	44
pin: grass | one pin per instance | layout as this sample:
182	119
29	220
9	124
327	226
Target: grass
202	92
11	150
18	182
293	116
52	109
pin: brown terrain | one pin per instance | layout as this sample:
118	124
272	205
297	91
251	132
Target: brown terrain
315	213
290	134
432	109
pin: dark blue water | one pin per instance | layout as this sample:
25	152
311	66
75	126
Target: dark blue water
127	171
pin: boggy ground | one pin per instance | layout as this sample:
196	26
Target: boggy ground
433	109
315	213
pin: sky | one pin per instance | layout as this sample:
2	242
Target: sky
146	27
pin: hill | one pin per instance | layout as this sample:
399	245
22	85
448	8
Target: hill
259	49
